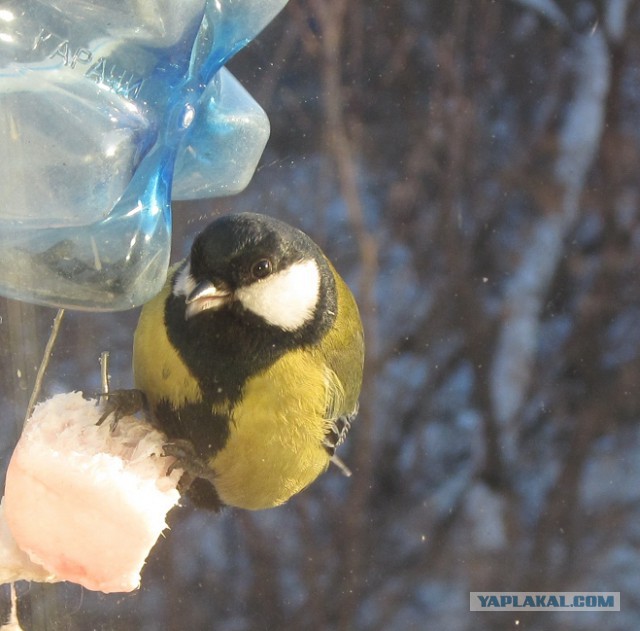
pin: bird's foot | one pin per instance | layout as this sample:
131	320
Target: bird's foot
189	461
121	403
198	479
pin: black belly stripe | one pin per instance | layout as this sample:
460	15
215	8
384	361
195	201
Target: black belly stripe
207	431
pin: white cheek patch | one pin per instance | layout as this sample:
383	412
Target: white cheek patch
184	283
286	299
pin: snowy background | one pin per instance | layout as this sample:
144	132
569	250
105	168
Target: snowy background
473	169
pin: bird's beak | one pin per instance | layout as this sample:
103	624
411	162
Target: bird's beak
205	296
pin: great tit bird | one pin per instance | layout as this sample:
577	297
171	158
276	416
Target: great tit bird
251	361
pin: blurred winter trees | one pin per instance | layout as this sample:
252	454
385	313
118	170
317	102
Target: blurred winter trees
472	167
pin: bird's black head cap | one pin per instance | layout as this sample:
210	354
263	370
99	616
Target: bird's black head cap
230	245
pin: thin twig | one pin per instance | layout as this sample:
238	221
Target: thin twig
104	371
57	321
13	623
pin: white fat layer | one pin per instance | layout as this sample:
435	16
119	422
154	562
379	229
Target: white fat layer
286	299
184	283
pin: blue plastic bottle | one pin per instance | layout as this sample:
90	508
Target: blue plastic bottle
108	109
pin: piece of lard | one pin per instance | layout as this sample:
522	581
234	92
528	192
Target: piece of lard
83	503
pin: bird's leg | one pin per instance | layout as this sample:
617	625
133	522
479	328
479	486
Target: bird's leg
198	479
120	403
188	460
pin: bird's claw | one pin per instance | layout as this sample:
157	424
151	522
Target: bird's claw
121	403
188	460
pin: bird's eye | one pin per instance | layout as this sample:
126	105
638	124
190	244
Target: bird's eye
261	268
